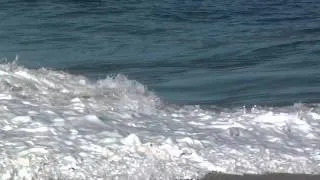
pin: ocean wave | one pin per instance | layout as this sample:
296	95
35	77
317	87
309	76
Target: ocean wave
58	125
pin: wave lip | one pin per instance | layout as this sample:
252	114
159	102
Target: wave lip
57	125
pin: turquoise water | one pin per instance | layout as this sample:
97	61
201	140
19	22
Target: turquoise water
105	89
224	53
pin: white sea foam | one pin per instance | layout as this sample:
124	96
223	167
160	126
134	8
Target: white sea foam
58	125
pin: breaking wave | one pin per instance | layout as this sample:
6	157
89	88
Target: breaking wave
58	125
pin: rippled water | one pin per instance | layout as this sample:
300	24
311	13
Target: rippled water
188	52
158	90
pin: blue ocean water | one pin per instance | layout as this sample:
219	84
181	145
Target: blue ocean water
113	89
224	53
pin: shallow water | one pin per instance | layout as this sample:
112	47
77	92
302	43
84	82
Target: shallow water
163	90
58	125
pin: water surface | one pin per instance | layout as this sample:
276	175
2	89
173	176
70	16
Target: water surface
188	52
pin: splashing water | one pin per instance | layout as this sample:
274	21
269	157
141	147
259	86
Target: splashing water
58	125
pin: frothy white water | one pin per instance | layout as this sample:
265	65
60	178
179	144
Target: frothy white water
57	125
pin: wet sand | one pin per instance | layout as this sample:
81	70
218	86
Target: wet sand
271	176
221	176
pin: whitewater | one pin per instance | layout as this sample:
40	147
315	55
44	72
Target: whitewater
56	125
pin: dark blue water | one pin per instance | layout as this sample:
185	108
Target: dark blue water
225	53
